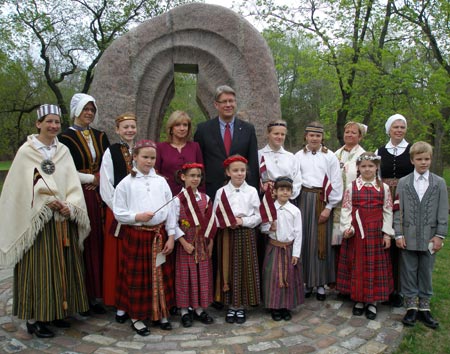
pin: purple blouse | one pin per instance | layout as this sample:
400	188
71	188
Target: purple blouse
169	160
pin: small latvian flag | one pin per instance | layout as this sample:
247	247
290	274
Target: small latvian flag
189	202
262	172
36	177
267	207
209	227
224	214
326	189
396	206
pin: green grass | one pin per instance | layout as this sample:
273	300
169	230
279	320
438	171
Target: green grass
423	340
4	165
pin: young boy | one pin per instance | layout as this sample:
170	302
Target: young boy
420	223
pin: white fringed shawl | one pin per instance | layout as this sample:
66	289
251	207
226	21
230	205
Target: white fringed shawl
19	221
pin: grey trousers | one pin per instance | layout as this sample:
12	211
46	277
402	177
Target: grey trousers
416	268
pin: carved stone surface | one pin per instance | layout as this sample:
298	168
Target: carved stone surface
136	72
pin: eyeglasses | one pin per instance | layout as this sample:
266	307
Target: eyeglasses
226	101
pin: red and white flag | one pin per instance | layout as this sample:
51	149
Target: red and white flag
267	207
326	189
36	177
189	202
209	227
396	206
224	214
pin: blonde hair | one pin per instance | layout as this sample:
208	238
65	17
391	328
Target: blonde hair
420	147
176	118
361	129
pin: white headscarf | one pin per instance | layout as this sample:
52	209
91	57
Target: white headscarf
79	100
392	119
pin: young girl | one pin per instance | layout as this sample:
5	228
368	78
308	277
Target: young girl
237	282
116	165
145	288
364	269
282	276
193	272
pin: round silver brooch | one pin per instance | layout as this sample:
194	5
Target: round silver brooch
48	166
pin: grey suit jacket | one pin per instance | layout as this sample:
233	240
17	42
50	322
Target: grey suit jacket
211	143
419	221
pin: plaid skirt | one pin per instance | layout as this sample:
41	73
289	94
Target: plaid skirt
49	279
144	290
282	281
237	281
316	271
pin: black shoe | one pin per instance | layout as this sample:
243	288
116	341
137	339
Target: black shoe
98	308
203	317
276	315
371	312
286	314
240	316
143	331
308	294
358	311
321	297
410	317
186	320
174	311
231	316
426	318
217	305
165	326
122	318
60	324
85	313
39	329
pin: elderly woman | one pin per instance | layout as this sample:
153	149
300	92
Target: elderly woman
178	149
395	164
44	223
117	163
347	156
87	146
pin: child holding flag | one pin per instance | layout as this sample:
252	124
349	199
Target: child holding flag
282	278
236	207
140	204
193	269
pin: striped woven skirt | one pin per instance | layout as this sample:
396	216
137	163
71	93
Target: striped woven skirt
316	271
49	279
282	281
144	290
237	281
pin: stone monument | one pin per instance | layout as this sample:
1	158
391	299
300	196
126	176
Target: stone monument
136	72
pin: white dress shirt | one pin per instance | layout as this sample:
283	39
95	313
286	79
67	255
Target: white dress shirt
281	163
314	167
244	203
143	193
421	183
289	226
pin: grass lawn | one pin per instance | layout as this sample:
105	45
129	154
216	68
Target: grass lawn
4	165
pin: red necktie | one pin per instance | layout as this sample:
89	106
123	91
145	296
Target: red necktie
227	139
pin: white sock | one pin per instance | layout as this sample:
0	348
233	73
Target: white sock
138	324
164	320
320	290
199	311
184	311
120	312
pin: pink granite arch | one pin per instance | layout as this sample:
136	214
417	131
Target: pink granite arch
136	73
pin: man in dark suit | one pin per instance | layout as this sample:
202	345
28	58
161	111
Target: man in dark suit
212	137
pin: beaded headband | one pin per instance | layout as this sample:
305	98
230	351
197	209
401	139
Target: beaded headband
313	129
368	158
190	165
144	143
47	109
284	179
234	158
277	124
122	118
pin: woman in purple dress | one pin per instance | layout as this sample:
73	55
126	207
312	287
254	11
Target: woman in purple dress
178	149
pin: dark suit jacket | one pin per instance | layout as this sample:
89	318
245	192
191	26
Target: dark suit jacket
211	143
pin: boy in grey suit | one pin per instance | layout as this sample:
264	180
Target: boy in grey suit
420	223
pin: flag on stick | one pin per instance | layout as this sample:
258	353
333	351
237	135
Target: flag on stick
224	214
209	227
36	177
326	189
267	207
189	202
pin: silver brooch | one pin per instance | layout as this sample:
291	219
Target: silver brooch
48	166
